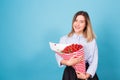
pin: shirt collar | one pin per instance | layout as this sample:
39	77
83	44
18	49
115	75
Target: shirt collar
77	36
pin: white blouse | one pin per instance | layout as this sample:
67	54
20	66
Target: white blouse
90	49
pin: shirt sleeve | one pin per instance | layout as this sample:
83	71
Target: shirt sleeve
93	62
59	58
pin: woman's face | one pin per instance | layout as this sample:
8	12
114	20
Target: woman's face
79	24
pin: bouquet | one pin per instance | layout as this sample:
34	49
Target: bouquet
66	51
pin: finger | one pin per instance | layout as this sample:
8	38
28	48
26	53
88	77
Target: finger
80	58
77	72
73	56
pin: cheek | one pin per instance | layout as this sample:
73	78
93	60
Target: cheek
83	25
73	25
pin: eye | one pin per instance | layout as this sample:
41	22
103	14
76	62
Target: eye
75	20
82	21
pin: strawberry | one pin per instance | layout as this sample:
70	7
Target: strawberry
71	48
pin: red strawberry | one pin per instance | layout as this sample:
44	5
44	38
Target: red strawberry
72	48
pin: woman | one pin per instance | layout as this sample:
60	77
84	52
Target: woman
81	33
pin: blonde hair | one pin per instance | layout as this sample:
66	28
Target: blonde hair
87	32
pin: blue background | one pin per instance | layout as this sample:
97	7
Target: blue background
27	26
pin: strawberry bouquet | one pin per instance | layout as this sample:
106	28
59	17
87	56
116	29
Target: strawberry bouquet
66	51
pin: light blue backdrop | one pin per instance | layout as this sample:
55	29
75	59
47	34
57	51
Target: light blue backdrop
26	27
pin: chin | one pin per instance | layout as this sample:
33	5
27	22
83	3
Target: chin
77	31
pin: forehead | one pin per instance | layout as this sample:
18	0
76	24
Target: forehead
80	17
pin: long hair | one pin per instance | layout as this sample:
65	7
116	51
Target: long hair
87	32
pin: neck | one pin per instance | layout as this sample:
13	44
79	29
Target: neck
79	33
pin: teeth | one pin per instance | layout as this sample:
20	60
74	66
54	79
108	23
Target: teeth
77	27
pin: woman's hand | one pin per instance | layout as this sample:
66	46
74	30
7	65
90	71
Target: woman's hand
74	60
82	76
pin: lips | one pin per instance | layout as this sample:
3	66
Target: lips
77	27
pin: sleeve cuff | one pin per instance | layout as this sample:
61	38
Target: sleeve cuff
91	73
59	58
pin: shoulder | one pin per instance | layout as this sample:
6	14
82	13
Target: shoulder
92	43
63	38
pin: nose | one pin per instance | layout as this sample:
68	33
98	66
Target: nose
77	23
